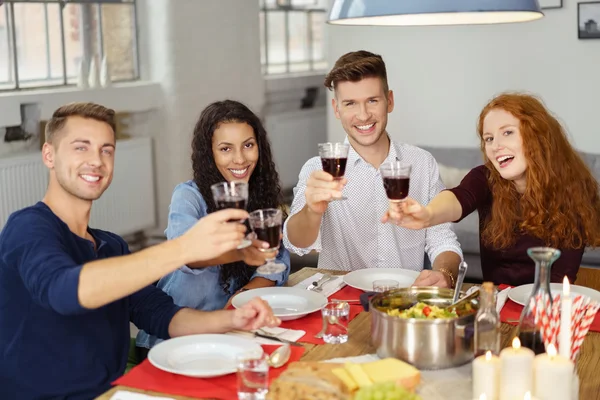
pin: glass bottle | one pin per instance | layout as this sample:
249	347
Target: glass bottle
529	332
487	322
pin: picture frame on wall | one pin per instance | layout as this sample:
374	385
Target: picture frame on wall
549	4
588	20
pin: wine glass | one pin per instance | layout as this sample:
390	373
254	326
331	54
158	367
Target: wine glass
232	195
396	179
333	158
266	224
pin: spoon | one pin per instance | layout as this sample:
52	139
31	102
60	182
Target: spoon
462	271
279	357
335	321
323	329
462	302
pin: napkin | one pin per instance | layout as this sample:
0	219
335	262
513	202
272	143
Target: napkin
288	334
329	287
123	395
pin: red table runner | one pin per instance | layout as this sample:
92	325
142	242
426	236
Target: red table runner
147	377
511	312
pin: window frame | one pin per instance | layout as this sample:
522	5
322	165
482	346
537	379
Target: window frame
9	13
286	7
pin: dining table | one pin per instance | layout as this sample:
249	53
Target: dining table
359	343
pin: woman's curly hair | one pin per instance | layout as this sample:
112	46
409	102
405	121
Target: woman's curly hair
561	203
264	187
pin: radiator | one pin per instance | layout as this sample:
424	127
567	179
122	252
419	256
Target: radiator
126	207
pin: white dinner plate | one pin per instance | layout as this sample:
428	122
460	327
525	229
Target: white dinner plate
287	302
363	278
520	294
201	356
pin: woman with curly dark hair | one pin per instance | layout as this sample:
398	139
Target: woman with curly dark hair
533	190
229	144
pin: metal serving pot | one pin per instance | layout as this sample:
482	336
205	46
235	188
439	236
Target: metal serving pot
424	343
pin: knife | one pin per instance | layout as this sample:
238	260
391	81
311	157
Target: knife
277	339
256	334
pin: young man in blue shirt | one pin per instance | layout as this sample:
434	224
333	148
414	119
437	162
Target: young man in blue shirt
68	292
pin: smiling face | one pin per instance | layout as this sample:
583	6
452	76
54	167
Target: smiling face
504	146
235	150
81	158
363	109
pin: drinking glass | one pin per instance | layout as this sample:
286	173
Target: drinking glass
232	195
383	285
252	377
266	224
336	315
333	158
396	179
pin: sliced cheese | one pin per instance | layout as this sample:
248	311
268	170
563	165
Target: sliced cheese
345	377
358	374
392	370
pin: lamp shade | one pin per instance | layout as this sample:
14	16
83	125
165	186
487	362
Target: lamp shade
432	12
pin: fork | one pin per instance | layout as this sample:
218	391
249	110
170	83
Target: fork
315	284
319	288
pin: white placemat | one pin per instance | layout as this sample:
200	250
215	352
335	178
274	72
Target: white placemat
329	287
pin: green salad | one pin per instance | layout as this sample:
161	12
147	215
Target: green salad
423	311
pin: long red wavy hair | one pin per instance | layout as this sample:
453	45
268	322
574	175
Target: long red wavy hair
561	203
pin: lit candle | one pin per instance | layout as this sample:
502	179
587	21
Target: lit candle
486	376
516	371
564	334
555	369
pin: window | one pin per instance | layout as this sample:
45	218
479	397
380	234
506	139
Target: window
43	43
292	34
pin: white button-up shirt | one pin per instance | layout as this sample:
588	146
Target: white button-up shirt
352	236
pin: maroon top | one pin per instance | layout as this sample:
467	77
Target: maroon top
511	266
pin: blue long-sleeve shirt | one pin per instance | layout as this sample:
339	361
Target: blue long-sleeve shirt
198	288
51	347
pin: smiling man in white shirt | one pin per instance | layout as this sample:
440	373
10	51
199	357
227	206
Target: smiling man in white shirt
349	234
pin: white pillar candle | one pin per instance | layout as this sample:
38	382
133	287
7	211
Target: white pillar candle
486	376
555	369
564	334
516	371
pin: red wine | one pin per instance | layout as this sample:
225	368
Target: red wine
335	166
231	202
532	340
270	234
396	188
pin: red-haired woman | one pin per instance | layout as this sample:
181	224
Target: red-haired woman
533	190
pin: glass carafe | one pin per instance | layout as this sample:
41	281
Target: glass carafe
487	322
529	332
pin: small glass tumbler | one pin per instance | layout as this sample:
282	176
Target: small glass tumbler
336	315
252	377
383	285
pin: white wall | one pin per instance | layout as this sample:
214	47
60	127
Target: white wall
200	52
443	76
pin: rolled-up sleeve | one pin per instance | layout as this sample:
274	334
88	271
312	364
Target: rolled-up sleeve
187	207
298	204
439	238
48	272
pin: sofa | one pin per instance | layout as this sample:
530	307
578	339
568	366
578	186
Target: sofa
454	164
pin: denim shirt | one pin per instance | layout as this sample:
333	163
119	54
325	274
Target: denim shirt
198	288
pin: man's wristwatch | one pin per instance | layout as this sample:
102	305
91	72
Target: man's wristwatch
448	274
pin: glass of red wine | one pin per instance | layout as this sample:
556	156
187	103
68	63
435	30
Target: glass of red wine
333	158
232	195
266	224
396	179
